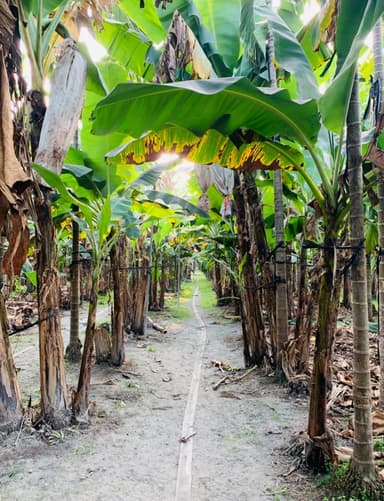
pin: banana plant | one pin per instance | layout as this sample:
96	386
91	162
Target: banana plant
231	106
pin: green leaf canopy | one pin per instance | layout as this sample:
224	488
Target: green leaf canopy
225	104
353	23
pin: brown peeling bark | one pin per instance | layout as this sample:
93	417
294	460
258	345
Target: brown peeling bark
120	279
73	350
13	180
317	453
10	397
54	399
18	238
81	398
252	321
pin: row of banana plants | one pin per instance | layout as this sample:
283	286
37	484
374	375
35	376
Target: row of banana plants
213	94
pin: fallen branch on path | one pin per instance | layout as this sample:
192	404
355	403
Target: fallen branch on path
185	439
230	379
220	382
156	326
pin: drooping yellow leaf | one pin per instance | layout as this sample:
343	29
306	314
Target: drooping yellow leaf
212	147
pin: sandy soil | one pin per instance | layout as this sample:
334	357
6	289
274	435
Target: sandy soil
132	449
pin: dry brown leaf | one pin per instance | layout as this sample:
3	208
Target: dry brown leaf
13	179
18	238
378	422
345	378
344	453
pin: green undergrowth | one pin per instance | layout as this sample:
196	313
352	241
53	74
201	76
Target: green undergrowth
336	483
178	305
207	296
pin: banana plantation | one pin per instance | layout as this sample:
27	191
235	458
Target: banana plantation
201	180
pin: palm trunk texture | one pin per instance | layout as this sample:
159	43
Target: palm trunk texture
362	473
379	74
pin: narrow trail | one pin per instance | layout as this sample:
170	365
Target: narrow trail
184	472
134	448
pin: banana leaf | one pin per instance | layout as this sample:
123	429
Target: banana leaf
212	147
225	104
354	22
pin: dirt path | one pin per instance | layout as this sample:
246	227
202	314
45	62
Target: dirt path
164	392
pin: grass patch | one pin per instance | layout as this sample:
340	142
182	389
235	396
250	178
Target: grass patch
178	307
207	296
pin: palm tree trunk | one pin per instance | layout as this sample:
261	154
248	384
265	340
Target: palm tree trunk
73	350
379	73
380	193
362	473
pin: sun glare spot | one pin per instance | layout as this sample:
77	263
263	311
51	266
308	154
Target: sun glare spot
311	8
96	50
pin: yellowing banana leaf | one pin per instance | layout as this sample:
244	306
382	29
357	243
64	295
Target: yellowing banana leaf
225	104
212	147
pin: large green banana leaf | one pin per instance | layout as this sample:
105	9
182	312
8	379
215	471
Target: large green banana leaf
212	147
147	19
226	105
222	19
171	200
355	20
288	51
127	46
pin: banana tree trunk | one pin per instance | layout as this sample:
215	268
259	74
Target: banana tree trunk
80	407
280	276
11	175
369	287
58	129
140	297
301	336
252	321
153	301
362	472
163	281
346	302
11	409
320	449
119	275
73	350
53	387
